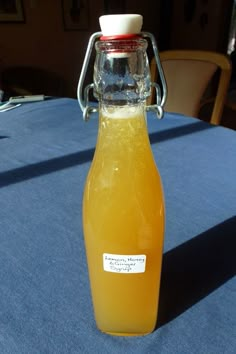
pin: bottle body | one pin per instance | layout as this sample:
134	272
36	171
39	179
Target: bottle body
123	219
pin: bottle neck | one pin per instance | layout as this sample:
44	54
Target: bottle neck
121	72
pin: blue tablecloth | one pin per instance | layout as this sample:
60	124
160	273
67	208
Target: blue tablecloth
45	306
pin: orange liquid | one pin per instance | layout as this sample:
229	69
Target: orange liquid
123	214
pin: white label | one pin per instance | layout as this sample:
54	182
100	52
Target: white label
124	263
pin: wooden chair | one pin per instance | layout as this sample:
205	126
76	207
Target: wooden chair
188	73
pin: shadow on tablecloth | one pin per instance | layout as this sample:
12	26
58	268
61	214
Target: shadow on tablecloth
196	268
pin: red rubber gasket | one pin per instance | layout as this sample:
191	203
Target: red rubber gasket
120	37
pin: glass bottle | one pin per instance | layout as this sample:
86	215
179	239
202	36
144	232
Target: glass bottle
123	204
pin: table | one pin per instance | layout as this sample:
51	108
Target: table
45	306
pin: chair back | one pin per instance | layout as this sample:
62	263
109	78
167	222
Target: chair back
188	73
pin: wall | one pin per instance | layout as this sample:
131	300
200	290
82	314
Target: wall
200	24
43	42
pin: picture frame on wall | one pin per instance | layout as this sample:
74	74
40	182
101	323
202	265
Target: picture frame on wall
11	11
75	15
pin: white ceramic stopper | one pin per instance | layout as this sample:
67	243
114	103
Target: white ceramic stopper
114	25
